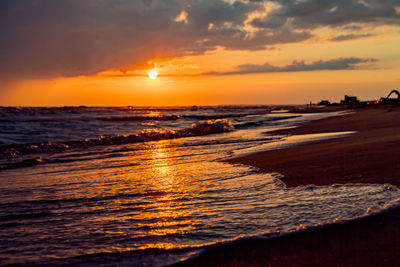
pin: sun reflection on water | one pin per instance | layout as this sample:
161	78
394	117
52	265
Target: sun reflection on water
164	215
162	165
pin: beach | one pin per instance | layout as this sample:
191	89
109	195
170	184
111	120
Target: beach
371	155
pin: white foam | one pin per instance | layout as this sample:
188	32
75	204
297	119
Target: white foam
291	141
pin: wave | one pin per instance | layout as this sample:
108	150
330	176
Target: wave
141	118
196	254
209	251
45	110
32	215
263	122
202	128
47	202
176	117
218	116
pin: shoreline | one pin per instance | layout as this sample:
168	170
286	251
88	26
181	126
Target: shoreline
371	155
368	241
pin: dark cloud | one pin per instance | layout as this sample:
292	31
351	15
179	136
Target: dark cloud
346	37
272	21
296	66
47	38
316	13
239	40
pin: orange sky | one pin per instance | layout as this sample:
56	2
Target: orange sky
184	79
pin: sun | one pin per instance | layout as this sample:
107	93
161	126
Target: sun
153	74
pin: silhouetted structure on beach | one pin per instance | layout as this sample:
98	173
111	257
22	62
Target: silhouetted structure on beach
349	100
353	102
389	100
324	103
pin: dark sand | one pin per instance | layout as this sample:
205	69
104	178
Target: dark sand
372	155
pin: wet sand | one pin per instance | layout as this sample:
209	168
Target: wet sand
372	155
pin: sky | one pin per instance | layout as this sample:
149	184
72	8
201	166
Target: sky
206	52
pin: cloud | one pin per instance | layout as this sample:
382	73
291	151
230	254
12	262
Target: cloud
332	13
346	37
297	66
47	38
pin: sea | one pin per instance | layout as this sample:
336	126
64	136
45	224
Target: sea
147	186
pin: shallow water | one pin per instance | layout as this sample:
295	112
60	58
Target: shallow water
157	202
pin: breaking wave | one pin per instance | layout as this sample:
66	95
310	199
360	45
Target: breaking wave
145	135
263	122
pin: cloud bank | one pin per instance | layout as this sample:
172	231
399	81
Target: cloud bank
297	66
347	37
47	38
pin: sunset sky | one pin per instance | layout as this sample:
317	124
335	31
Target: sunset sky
206	52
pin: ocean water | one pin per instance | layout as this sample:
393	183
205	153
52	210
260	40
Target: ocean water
146	187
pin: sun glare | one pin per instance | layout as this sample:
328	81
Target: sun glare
153	74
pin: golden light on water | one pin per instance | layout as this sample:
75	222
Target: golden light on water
153	74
